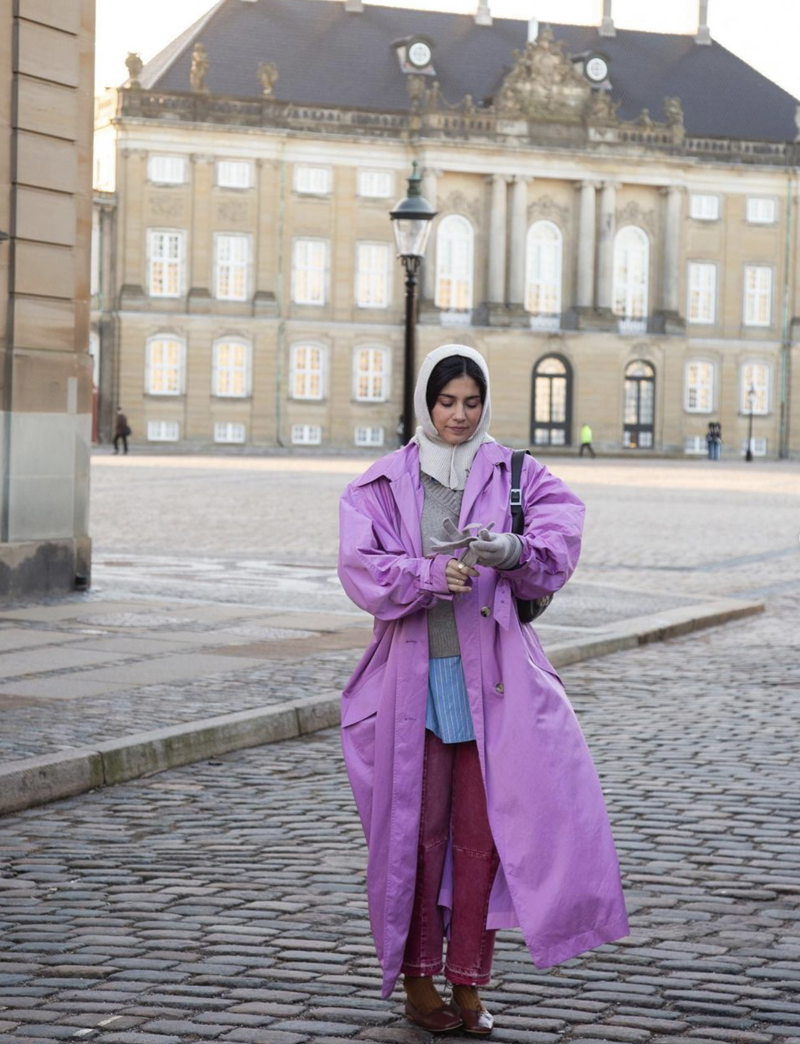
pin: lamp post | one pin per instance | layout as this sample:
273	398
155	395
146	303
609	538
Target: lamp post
411	221
751	398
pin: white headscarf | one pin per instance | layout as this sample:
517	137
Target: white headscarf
448	464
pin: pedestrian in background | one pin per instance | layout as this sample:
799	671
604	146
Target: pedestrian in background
714	440
586	441
121	431
479	799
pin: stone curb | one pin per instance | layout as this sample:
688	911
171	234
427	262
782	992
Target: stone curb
36	781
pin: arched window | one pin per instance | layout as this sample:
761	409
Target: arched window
543	270
454	262
165	365
551	416
631	275
231	377
371	375
638	422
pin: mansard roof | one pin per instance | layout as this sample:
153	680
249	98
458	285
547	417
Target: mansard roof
326	55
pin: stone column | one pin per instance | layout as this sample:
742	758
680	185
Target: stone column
429	188
519	235
497	240
587	234
605	253
672	242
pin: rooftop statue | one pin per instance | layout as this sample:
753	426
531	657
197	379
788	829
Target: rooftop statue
268	77
197	76
134	65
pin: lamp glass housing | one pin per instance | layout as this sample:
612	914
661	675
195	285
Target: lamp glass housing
411	235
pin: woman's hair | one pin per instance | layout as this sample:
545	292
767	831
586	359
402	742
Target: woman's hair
447	370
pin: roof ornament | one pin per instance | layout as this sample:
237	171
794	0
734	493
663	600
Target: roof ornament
544	84
673	115
703	32
267	77
134	65
199	71
607	25
483	16
353	6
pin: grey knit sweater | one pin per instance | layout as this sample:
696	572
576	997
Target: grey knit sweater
440	503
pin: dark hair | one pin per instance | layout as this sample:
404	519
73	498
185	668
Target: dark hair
449	369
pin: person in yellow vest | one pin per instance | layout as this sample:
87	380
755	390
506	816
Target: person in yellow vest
586	440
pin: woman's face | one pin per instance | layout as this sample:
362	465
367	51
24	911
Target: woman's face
457	410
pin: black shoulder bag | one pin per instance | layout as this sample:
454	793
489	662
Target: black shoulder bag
528	608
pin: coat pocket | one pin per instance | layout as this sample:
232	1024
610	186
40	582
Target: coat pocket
364	699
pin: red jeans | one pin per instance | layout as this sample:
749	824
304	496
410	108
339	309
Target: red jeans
453	798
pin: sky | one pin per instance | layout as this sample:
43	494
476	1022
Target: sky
764	33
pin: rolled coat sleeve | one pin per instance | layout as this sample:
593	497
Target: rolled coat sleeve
374	568
551	541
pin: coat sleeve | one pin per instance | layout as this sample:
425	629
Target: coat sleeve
375	570
551	542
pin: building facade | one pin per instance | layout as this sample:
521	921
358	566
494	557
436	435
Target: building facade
46	88
634	272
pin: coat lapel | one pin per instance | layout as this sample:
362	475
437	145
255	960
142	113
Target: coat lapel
488	457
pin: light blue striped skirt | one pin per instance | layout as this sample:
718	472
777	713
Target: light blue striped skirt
448	715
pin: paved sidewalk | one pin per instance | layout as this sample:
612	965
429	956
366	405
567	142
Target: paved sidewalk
225	901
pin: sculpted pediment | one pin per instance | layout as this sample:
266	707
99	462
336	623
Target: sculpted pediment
544	84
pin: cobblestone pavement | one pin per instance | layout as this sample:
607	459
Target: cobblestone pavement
225	901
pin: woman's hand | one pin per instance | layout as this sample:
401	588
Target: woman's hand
458	575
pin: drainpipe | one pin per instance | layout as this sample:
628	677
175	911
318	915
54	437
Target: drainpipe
786	333
279	303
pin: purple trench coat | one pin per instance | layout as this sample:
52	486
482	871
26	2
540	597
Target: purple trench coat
559	876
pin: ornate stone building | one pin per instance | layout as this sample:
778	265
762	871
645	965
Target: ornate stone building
615	234
46	88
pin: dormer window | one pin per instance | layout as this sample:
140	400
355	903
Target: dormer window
416	55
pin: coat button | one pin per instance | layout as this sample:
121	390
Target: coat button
499	688
486	611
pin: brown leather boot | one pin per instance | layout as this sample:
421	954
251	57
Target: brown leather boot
425	1006
466	1002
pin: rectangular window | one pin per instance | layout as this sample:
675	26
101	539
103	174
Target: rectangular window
164	366
702	306
163	431
757	295
307	377
369	436
755	378
166	252
167	170
371	377
758	446
760	210
231	369
372	275
313	181
306	434
699	387
310	271
703	207
375	184
229	433
232	264
695	444
236	174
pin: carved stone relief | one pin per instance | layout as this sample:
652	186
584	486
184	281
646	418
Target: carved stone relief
547	209
456	202
166	206
233	210
632	214
544	84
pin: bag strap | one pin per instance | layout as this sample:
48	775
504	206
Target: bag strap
515	499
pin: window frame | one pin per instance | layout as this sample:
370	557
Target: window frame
447	221
161	438
688	386
325	243
387	275
294	371
243	164
529	259
385	374
246	368
180	261
369	444
751	204
149	368
365	172
704	196
692	266
744	386
747	296
305	428
219	266
228	425
153	159
303	169
645	240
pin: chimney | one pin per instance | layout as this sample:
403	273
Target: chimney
607	25
483	16
353	6
703	32
533	29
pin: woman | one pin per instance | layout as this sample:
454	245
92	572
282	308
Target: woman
478	797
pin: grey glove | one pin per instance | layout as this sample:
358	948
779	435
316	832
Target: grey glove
456	539
499	550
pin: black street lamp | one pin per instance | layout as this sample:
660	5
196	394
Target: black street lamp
751	398
411	221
